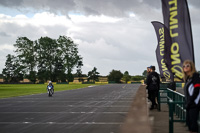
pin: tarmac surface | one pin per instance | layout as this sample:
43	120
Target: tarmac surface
96	109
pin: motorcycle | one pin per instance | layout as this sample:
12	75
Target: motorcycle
50	90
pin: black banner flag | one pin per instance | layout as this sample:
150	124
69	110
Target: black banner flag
162	55
177	20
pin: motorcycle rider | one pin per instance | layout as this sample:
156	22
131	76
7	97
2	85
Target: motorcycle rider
51	84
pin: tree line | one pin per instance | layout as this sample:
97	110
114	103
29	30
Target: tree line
43	59
116	76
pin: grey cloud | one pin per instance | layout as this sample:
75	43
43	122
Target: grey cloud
125	43
4	34
54	6
91	11
118	8
11	3
195	3
14	30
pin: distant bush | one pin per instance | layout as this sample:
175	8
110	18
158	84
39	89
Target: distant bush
137	78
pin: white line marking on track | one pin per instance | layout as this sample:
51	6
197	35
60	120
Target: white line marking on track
74	106
65	123
67	101
63	112
26	122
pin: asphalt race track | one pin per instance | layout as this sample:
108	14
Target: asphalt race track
96	109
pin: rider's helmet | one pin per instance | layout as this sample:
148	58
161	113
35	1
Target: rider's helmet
50	83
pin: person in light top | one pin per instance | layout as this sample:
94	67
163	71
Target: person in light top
192	95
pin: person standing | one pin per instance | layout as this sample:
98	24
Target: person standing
192	95
153	86
148	72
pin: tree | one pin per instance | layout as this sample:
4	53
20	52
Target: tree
93	75
47	53
13	71
59	71
32	76
26	54
137	78
68	51
54	59
126	76
8	71
144	73
78	70
115	76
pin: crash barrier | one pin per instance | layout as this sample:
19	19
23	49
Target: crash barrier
137	119
101	82
110	82
62	83
136	82
88	83
48	83
75	83
175	102
17	83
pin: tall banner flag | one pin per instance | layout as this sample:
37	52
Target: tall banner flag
177	20
164	41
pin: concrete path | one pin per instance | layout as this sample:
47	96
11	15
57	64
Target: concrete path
160	122
99	109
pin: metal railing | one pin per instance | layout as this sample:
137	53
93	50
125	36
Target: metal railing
175	102
162	95
176	106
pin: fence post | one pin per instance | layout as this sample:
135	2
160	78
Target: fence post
174	99
159	100
171	118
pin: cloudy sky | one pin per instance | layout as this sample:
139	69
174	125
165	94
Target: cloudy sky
111	34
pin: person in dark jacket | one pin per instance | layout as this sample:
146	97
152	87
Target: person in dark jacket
153	86
148	72
192	95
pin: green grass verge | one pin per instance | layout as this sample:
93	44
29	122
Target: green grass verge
13	90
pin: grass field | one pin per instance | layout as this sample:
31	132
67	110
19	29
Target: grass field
13	90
